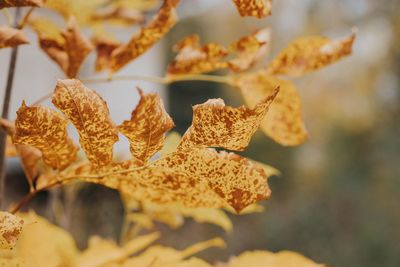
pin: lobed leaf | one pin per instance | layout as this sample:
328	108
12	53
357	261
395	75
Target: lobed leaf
149	35
45	129
10	37
254	8
217	125
147	127
309	54
90	115
283	122
10	230
192	58
20	3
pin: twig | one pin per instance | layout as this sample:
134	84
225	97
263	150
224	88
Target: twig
5	110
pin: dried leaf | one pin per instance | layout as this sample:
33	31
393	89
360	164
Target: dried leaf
104	47
192	58
45	129
283	122
217	125
117	14
254	8
67	48
90	115
149	35
20	3
309	54
10	229
250	49
147	127
11	150
270	259
10	37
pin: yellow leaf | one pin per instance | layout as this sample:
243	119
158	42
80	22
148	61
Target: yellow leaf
10	230
217	125
283	122
250	49
67	48
309	54
11	150
10	37
45	245
102	252
192	58
254	8
90	115
118	15
20	3
270	259
104	48
147	127
45	129
149	35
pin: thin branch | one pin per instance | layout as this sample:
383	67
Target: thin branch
24	20
5	110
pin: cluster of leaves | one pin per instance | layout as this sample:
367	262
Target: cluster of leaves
60	250
190	178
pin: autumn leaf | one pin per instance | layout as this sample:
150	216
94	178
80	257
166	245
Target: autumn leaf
308	54
192	58
270	259
250	49
217	125
10	229
90	115
28	155
104	48
67	48
254	8
283	122
117	14
45	129
20	3
10	37
149	35
11	150
147	127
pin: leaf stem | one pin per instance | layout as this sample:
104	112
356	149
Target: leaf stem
5	110
24	20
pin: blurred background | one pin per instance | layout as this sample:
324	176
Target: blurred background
337	200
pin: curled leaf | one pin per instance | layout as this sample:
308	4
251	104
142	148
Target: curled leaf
149	35
67	48
147	127
192	58
283	122
11	150
217	125
10	37
309	54
250	49
10	229
20	3
46	130
90	115
254	8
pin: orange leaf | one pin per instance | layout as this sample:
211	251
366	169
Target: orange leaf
149	35
104	48
147	127
46	130
250	49
192	58
67	48
254	8
90	115
10	229
217	125
20	3
283	122
10	37
309	54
